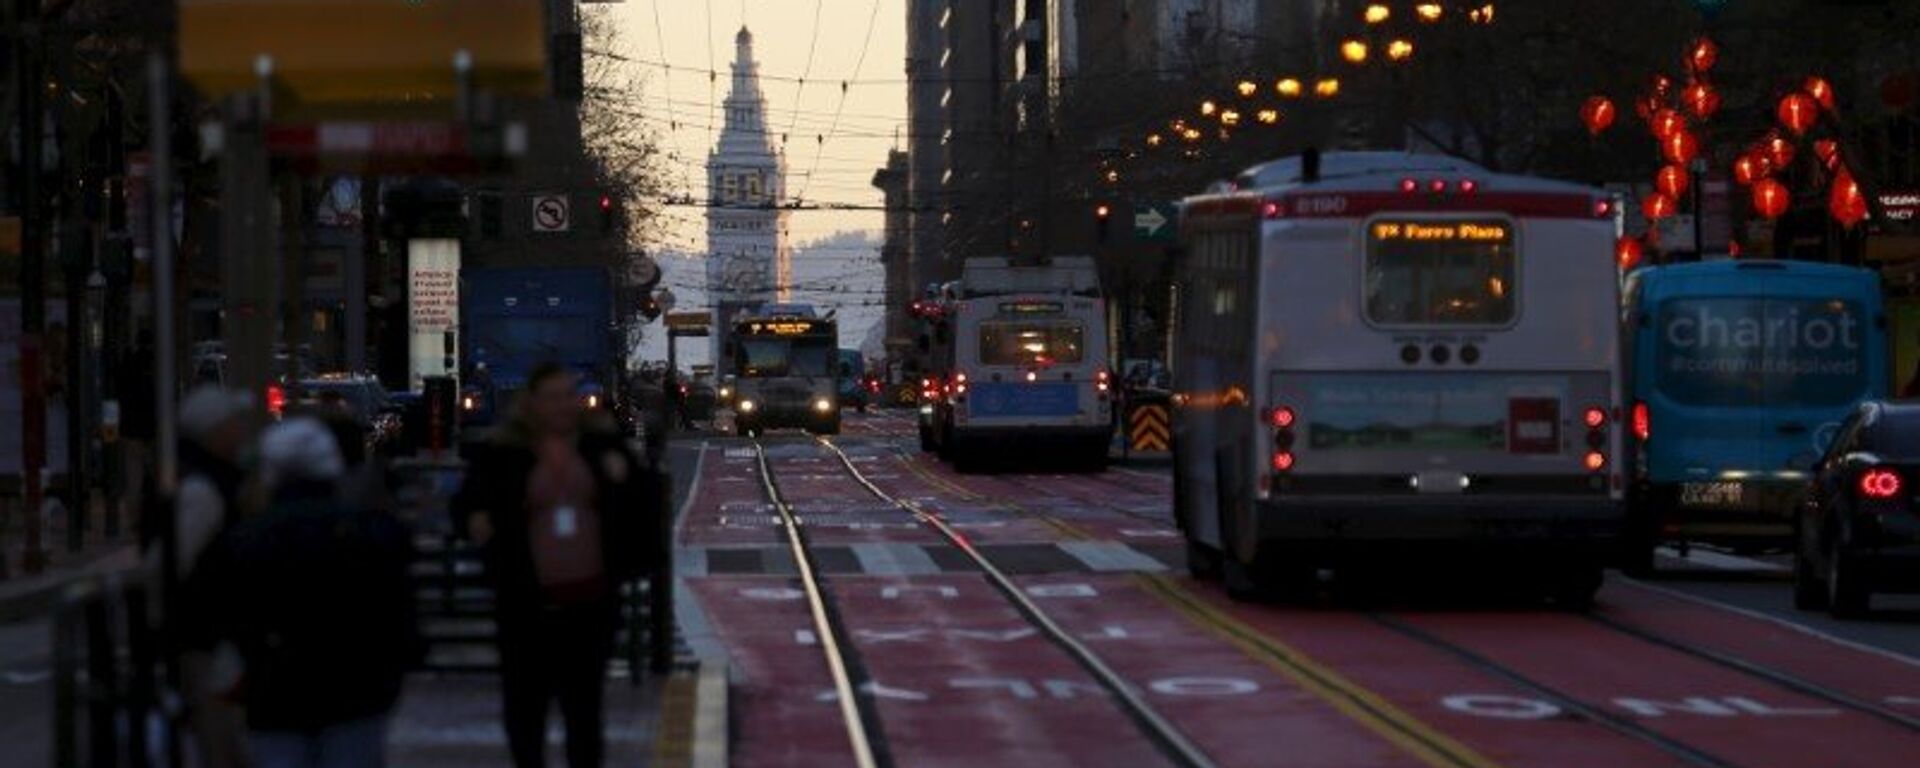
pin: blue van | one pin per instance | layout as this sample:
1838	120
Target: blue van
1737	373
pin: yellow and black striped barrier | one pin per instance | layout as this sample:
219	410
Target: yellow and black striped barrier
1149	426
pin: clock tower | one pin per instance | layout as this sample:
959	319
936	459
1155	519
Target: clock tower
749	262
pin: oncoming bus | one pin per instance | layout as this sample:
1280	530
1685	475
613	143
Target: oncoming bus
1385	355
1022	364
1738	373
784	373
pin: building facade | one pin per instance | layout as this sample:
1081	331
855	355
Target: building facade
749	260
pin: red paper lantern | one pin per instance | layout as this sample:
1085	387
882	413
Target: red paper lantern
1660	86
1671	180
1701	99
1844	200
1680	147
1597	113
1770	198
1657	206
1702	55
1749	168
1627	252
1778	151
1828	151
1667	122
1797	112
1820	90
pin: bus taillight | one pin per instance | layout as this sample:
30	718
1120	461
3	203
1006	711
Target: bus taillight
1281	417
1595	418
1642	422
1282	461
276	400
1596	461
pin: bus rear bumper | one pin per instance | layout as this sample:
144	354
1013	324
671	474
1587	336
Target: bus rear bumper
1371	524
1036	437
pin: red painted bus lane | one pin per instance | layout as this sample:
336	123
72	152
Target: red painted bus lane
1738	718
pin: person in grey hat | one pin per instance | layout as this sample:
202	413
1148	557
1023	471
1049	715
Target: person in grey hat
215	431
321	608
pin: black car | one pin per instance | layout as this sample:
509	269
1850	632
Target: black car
1858	530
361	396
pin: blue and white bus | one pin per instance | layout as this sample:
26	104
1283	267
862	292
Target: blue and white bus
1022	364
1382	356
1739	371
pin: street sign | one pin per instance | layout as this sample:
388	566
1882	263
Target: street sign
688	323
552	213
1156	222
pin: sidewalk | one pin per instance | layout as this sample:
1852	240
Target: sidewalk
454	720
23	595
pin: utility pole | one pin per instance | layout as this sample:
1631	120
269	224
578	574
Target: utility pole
33	246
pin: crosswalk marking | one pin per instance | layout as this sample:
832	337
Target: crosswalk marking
894	559
1110	556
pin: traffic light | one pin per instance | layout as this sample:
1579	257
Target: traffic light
607	212
1103	222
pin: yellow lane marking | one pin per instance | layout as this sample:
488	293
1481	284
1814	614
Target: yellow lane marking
1363	706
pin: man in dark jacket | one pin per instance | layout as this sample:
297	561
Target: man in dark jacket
557	505
322	610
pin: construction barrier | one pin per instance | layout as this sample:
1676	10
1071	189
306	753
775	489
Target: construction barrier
1149	423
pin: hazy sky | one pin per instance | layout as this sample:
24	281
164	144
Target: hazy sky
693	36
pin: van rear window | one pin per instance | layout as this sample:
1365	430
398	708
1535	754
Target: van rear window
1750	351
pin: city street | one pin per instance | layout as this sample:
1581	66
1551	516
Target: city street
1705	665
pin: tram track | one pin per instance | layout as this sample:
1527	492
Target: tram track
859	709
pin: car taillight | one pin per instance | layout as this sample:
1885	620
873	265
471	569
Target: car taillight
1880	484
1642	422
276	400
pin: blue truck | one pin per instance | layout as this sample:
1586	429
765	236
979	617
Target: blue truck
515	318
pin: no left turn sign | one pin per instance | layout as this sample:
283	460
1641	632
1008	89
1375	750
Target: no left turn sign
551	213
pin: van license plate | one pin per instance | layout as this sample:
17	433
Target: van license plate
1721	494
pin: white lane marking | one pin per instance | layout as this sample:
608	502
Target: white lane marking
1777	621
893	559
1110	556
1720	561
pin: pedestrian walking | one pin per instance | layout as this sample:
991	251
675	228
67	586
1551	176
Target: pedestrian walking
555	501
215	431
321	609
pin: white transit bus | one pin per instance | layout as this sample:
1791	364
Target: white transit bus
1022	364
1383	356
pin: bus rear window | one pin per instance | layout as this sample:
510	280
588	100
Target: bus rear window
1031	343
1746	351
1440	272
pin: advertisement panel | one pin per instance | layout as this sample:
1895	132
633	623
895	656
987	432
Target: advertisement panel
1741	351
433	308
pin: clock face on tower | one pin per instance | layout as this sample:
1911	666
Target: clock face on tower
742	274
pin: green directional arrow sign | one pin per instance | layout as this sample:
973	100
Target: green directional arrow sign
1157	222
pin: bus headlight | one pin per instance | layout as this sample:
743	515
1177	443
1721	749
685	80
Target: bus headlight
823	405
726	392
746	406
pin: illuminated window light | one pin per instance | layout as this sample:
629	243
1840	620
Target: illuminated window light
1378	14
1154	140
1289	87
1267	116
1208	108
1400	50
1327	88
1230	117
1247	88
1429	12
